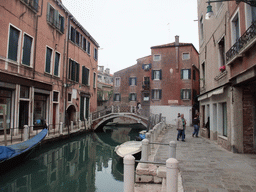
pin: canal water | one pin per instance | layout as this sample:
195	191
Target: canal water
85	163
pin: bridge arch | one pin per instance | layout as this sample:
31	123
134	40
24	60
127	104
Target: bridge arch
113	116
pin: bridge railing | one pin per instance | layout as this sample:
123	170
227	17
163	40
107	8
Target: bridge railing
98	114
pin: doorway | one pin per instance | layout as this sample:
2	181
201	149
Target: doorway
23	114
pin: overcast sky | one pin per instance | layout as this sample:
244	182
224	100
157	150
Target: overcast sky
126	29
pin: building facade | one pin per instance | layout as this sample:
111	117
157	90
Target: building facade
48	64
167	81
105	88
227	65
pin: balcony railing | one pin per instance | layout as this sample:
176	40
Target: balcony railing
243	42
146	84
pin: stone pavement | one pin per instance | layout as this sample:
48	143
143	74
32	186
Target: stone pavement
206	167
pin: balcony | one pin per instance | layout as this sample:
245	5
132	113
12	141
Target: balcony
146	85
246	41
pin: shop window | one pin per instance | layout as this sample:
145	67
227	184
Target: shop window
224	119
39	108
5	103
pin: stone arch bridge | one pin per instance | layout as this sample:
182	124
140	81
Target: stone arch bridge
101	118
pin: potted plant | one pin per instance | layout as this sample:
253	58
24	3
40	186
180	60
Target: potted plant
222	68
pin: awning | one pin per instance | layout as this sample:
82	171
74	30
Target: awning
214	92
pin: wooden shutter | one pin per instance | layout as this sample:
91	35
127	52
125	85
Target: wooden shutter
13	43
189	93
48	12
56	66
181	73
160	94
152	92
73	71
160	76
77	71
62	24
27	50
48	60
130	81
135	80
189	73
181	94
152	74
82	108
56	18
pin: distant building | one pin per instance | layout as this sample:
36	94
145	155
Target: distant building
167	81
105	87
228	78
48	64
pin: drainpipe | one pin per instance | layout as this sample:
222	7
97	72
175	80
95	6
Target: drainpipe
66	67
34	64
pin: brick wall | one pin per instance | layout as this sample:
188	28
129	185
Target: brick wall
248	118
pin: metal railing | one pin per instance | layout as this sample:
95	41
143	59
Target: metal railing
242	42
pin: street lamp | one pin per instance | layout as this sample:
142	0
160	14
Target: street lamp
209	13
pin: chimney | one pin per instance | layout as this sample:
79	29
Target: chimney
176	40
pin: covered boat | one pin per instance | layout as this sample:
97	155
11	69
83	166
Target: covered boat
13	154
128	148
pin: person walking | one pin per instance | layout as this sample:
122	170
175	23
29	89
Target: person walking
181	126
196	126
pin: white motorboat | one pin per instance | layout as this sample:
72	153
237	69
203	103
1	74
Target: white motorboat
128	148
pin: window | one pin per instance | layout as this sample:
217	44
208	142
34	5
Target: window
32	4
56	64
94	80
185	56
69	97
85	76
221	46
156	74
74	68
27	50
77	38
117	84
84	107
156	94
146	97
185	73
185	94
48	60
132	81
201	30
224	112
132	97
157	57
146	67
72	34
40	107
54	18
14	37
235	28
88	47
24	92
203	73
84	44
117	97
95	54
55	96
250	15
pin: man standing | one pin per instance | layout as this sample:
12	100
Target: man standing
181	126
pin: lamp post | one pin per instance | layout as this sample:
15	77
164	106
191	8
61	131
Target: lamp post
209	12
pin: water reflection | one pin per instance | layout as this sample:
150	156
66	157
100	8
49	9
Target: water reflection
85	163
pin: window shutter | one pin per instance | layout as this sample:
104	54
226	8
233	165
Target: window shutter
160	74
135	80
152	94
77	72
181	73
48	11
135	96
189	93
189	74
114	98
130	81
152	75
119	96
48	60
56	18
13	44
62	24
56	66
82	108
87	76
160	94
130	96
181	94
73	71
143	65
69	72
27	50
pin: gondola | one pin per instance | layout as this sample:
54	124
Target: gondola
12	155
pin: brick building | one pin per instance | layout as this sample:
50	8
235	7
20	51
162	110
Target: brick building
48	64
167	81
227	64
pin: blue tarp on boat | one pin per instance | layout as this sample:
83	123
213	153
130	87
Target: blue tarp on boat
10	151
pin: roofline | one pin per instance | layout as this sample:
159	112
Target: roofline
77	23
166	46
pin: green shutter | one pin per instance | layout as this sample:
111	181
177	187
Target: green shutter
135	80
181	94
82	108
77	71
189	73
13	43
56	65
130	96
189	93
152	74
160	74
160	94
48	60
56	18
73	71
27	50
62	24
181	73
48	11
